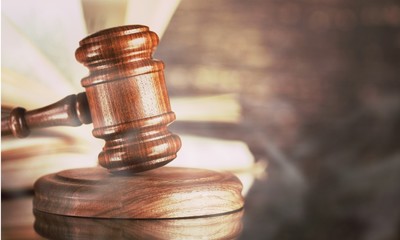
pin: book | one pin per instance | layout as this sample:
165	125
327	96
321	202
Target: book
39	68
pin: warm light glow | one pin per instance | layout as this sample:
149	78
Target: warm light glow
221	155
153	13
217	108
46	41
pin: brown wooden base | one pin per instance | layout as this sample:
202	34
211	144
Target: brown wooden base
166	192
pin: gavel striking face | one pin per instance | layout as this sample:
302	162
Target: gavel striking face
125	98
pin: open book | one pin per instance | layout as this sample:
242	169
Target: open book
39	39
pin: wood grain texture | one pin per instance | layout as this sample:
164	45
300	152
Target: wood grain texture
161	193
52	226
128	99
72	110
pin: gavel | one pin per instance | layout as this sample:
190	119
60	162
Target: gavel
125	97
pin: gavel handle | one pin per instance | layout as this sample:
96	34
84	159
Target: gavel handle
73	110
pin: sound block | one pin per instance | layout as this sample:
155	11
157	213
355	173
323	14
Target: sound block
162	193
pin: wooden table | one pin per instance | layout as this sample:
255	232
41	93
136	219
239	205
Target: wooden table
20	222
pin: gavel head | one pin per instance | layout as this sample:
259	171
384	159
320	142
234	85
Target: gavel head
128	99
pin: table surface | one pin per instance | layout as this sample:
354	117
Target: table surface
19	221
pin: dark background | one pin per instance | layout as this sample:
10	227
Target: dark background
318	82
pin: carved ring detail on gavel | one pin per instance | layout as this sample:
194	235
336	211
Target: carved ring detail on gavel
126	99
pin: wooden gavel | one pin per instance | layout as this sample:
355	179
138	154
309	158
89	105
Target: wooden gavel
125	98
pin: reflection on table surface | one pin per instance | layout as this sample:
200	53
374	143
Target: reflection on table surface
21	223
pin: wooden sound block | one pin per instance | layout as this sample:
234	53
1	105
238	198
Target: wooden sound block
166	192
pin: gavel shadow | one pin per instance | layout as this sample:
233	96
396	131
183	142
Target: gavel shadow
224	226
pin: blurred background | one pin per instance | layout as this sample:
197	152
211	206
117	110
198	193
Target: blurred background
301	99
